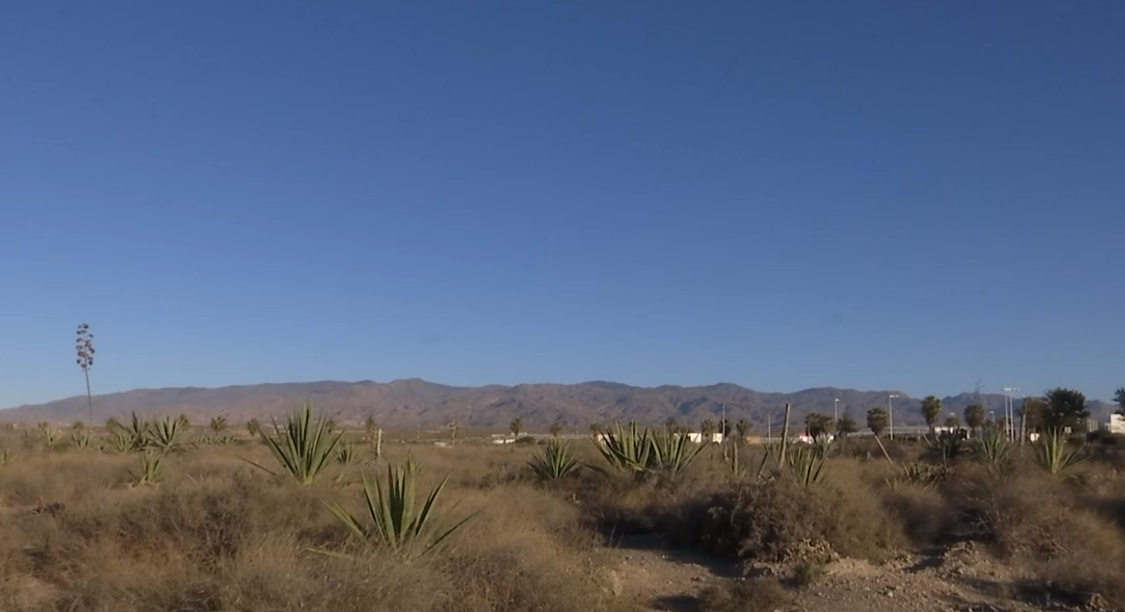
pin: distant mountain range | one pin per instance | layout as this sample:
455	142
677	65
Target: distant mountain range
414	402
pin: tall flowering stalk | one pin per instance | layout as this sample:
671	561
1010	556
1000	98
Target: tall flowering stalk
84	347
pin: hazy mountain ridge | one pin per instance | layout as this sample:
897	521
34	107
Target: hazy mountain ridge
415	402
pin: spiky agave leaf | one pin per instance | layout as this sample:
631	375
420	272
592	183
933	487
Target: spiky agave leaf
81	439
671	453
555	461
626	450
303	447
805	465
1051	452
150	470
993	447
165	434
137	432
392	521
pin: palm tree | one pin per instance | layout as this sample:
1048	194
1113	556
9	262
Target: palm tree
974	417
877	421
253	426
516	426
707	428
846	426
742	428
556	429
931	410
816	424
1119	399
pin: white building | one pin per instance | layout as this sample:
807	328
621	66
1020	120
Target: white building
697	437
1116	424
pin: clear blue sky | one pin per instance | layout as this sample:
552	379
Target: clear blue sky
907	195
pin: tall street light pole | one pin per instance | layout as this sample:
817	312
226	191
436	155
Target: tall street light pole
835	411
1010	412
891	414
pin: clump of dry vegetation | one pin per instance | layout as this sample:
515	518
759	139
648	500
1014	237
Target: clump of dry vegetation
151	515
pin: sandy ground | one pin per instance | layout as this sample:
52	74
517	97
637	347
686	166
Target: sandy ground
958	579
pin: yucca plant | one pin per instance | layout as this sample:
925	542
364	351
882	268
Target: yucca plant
555	461
166	434
149	471
671	453
304	447
392	518
626	449
6	457
993	447
1051	452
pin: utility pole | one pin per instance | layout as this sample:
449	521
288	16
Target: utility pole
891	414
785	438
835	411
723	426
1023	419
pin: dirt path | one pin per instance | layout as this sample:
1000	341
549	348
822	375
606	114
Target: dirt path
960	579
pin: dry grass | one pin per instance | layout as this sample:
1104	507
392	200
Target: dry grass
221	534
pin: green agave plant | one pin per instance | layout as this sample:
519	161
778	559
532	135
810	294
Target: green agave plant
393	520
150	470
555	461
1051	452
626	449
645	452
805	464
166	434
136	432
671	453
993	447
304	446
118	441
81	439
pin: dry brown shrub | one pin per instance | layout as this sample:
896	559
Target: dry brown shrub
921	511
1038	523
219	534
772	520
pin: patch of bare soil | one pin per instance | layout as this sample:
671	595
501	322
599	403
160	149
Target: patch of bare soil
960	578
664	578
